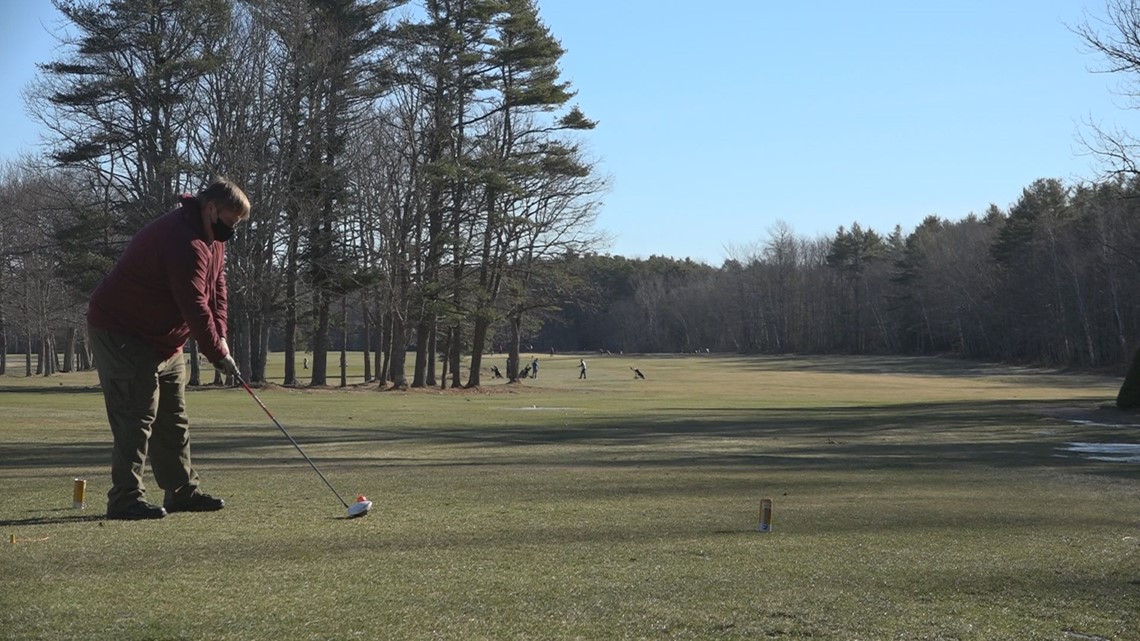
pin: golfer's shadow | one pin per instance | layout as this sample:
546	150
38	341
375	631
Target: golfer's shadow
53	520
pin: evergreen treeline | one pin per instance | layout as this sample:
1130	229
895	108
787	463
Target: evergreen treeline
421	193
1045	282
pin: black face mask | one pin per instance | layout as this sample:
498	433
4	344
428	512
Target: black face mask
222	231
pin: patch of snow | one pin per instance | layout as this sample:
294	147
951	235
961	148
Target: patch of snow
1109	452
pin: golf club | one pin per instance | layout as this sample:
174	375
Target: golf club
362	505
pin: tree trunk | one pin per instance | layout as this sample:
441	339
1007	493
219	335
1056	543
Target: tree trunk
84	354
344	341
423	336
399	356
380	353
478	338
1129	396
446	350
69	353
290	337
384	373
513	350
44	366
432	354
456	354
3	343
262	349
367	339
195	369
320	340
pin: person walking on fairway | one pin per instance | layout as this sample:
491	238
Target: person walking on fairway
581	368
168	285
534	368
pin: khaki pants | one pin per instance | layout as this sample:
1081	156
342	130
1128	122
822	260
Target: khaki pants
146	407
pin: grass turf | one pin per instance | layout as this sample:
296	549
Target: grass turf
914	499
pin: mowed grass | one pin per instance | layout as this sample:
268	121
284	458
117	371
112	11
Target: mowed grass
913	499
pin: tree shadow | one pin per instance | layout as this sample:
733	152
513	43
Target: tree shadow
44	389
929	366
853	438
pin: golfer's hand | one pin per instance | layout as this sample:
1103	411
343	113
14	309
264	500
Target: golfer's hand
228	366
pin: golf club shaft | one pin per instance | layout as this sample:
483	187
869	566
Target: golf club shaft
291	440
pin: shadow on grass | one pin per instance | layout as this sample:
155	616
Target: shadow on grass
916	366
52	520
884	437
58	389
31	455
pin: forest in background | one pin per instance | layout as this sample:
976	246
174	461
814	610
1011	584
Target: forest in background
423	193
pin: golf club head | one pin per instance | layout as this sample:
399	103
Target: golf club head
360	508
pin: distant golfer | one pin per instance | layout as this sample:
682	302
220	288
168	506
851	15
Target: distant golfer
581	368
534	368
168	285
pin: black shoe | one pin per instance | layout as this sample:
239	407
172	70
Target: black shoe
197	502
138	512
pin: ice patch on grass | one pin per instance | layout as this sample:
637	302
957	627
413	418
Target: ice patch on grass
1099	424
1109	452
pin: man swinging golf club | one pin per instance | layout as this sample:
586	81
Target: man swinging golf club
168	285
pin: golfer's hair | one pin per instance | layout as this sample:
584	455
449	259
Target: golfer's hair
226	195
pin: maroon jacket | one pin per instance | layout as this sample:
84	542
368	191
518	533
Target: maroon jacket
169	284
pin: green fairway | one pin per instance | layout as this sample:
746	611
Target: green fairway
913	499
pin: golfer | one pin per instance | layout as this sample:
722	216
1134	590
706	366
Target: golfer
168	285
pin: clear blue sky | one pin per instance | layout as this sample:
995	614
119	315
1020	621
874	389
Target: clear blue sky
719	119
